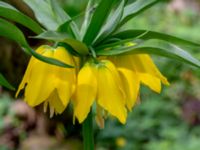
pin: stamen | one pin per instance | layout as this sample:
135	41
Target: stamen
51	111
45	105
99	117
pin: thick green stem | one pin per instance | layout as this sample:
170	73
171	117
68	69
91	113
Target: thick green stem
88	137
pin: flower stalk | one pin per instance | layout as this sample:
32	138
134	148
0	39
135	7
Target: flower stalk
87	131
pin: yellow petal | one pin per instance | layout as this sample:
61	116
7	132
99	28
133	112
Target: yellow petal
25	79
111	67
40	83
63	55
65	78
123	61
131	85
144	64
152	82
129	77
109	95
86	91
26	76
55	102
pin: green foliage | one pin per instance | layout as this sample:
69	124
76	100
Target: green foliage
50	14
5	83
183	24
9	12
8	121
156	47
135	8
5	102
100	26
97	21
112	23
147	34
47	14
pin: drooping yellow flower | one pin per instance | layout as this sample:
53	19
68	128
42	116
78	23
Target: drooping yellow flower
136	69
49	84
114	84
101	83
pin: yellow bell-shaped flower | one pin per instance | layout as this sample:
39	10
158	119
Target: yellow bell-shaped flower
100	82
135	69
49	84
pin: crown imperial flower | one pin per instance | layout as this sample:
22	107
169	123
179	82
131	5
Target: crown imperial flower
114	84
100	82
49	84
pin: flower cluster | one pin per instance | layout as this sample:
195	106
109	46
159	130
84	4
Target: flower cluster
112	83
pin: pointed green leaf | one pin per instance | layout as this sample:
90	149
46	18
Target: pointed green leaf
45	14
61	15
66	20
52	35
9	12
69	28
156	47
112	22
98	19
132	34
10	31
5	83
136	8
88	15
78	46
50	14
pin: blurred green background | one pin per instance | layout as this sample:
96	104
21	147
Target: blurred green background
169	121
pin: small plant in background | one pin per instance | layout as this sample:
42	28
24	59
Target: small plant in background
13	125
99	66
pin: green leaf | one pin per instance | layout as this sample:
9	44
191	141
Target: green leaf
136	8
156	47
45	14
117	41
112	22
9	12
98	19
69	28
132	34
88	15
78	46
66	20
59	12
52	35
51	15
5	83
10	31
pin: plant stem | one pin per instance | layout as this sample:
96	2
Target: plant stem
87	129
